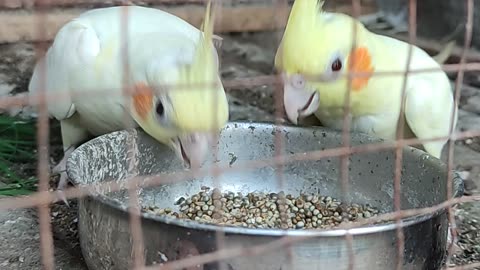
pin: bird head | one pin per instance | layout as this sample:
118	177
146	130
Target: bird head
189	114
315	56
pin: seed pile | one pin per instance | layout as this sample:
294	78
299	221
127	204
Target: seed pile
260	210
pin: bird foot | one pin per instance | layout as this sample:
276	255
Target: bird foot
452	246
62	165
62	184
61	169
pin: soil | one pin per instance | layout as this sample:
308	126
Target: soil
242	55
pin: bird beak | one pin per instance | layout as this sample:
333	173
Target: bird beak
298	101
192	148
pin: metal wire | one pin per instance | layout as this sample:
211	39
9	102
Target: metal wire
46	235
44	197
278	140
132	152
346	132
219	235
399	135
468	39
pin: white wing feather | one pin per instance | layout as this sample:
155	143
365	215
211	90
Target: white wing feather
75	44
428	112
429	99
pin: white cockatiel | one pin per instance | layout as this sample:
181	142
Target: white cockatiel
315	56
173	66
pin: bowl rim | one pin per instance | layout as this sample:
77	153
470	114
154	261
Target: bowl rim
266	232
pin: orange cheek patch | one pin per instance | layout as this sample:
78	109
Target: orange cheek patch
142	100
360	61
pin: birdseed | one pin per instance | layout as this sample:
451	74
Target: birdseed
261	210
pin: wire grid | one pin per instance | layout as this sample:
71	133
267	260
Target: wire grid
43	197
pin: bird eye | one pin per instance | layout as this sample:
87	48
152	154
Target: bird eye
337	65
160	110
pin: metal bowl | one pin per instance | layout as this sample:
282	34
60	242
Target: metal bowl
104	221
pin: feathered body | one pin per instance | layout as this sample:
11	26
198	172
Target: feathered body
86	55
317	42
170	65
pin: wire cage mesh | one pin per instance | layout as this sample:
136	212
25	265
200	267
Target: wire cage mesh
231	16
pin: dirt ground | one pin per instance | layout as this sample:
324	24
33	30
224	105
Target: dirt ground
242	56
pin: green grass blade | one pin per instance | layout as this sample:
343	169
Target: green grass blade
17	146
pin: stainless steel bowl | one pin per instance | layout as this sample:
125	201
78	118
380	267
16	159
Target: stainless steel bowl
104	221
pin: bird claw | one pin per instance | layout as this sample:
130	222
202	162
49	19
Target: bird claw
62	165
61	169
62	184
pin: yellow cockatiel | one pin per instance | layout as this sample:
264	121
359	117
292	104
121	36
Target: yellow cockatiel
315	56
173	66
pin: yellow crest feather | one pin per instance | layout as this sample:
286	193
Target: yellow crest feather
306	9
195	108
203	62
302	25
303	15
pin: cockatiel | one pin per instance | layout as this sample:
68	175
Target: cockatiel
173	67
314	57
